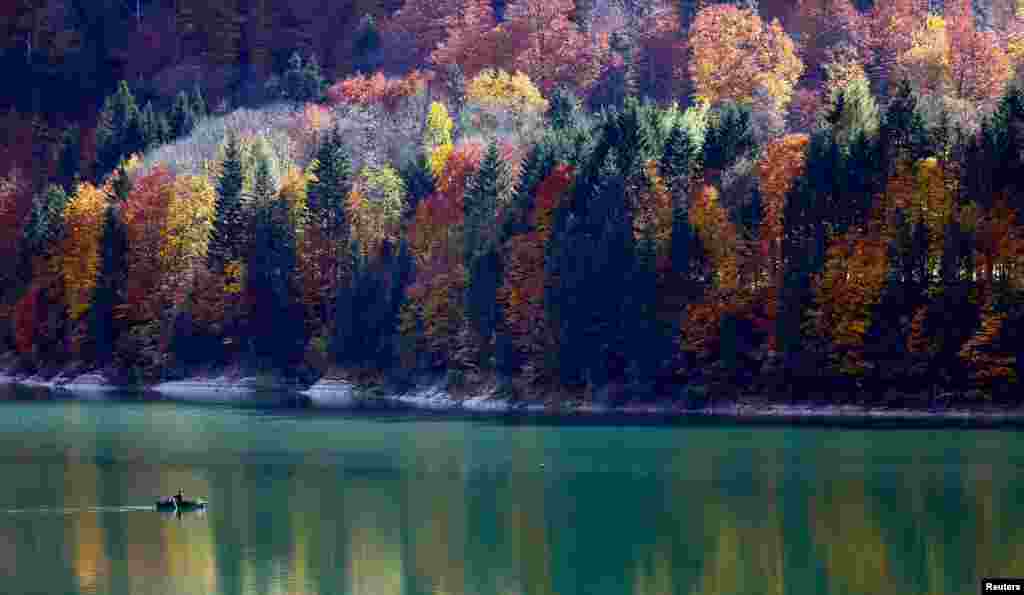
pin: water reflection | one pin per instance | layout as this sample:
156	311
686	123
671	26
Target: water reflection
308	505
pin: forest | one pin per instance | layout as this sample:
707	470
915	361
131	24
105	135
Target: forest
597	198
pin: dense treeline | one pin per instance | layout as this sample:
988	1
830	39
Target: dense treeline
541	210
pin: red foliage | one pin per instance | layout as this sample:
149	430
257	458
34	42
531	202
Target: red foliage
522	293
26	312
378	89
469	41
415	31
145	216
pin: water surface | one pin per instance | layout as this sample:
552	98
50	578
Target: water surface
304	502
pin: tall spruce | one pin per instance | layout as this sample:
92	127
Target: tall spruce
108	294
276	328
331	185
118	131
198	103
227	240
69	164
43	228
183	119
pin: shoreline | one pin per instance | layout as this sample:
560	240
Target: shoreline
340	395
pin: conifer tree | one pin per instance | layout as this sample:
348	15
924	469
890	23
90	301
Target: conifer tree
366	51
149	127
109	290
276	328
69	165
329	190
118	132
182	120
199	108
227	239
43	228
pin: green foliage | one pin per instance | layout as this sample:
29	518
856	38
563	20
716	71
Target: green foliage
332	183
183	119
301	83
227	239
490	186
366	50
198	103
276	332
854	113
729	135
69	164
418	181
104	328
119	132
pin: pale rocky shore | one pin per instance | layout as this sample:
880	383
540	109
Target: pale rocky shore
336	393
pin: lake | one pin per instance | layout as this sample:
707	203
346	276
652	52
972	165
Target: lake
313	502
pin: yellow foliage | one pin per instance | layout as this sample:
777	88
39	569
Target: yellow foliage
78	256
439	127
734	55
498	88
293	191
654	210
848	289
926	64
189	222
718	235
234	277
988	365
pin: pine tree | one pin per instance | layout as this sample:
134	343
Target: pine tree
199	109
227	240
729	136
419	182
69	165
118	132
331	186
149	127
109	291
903	133
276	327
490	185
366	51
182	120
43	228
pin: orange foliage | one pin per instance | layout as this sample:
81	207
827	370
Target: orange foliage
717	234
378	89
471	41
522	293
734	55
654	210
782	162
145	217
78	255
988	364
979	66
846	292
435	234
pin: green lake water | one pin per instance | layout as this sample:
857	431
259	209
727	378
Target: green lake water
311	502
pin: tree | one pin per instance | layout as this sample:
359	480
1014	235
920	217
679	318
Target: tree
366	50
735	54
183	119
854	113
277	332
729	135
199	109
43	229
227	240
108	295
302	82
437	138
69	165
119	130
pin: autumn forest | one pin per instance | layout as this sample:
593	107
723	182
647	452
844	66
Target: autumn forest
603	198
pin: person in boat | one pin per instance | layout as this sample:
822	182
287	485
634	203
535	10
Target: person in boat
179	498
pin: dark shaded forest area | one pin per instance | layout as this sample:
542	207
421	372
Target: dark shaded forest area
599	197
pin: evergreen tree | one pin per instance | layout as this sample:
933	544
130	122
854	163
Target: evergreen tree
69	165
162	129
276	329
118	132
854	113
109	291
902	132
198	103
419	182
564	110
492	182
331	185
149	127
302	82
227	240
43	228
729	136
182	120
366	51
647	349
